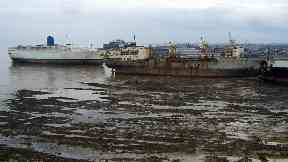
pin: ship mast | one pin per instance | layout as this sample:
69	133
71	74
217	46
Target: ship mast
204	48
232	41
172	50
134	36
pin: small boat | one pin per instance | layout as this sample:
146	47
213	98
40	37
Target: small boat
275	72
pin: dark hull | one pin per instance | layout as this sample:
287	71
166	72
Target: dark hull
279	72
280	81
190	73
178	69
277	75
59	61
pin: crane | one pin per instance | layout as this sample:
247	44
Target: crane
231	41
204	47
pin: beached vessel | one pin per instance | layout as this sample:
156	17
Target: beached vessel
145	62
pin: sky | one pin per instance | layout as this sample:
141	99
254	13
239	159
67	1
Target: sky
83	22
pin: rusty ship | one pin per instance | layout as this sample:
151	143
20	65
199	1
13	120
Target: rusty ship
138	60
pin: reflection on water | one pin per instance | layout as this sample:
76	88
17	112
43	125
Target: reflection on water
53	77
81	112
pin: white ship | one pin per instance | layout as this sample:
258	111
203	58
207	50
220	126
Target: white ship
55	54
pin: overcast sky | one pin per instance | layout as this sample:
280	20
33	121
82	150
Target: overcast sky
153	21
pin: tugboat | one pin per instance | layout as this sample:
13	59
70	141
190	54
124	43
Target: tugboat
274	71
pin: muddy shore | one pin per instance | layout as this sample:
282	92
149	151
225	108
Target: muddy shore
148	119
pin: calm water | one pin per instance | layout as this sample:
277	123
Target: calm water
85	113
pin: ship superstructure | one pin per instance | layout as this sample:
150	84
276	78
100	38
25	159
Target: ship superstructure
120	50
233	49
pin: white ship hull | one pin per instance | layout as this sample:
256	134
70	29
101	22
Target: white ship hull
56	55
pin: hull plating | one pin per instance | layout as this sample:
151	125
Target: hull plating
58	61
189	68
56	56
